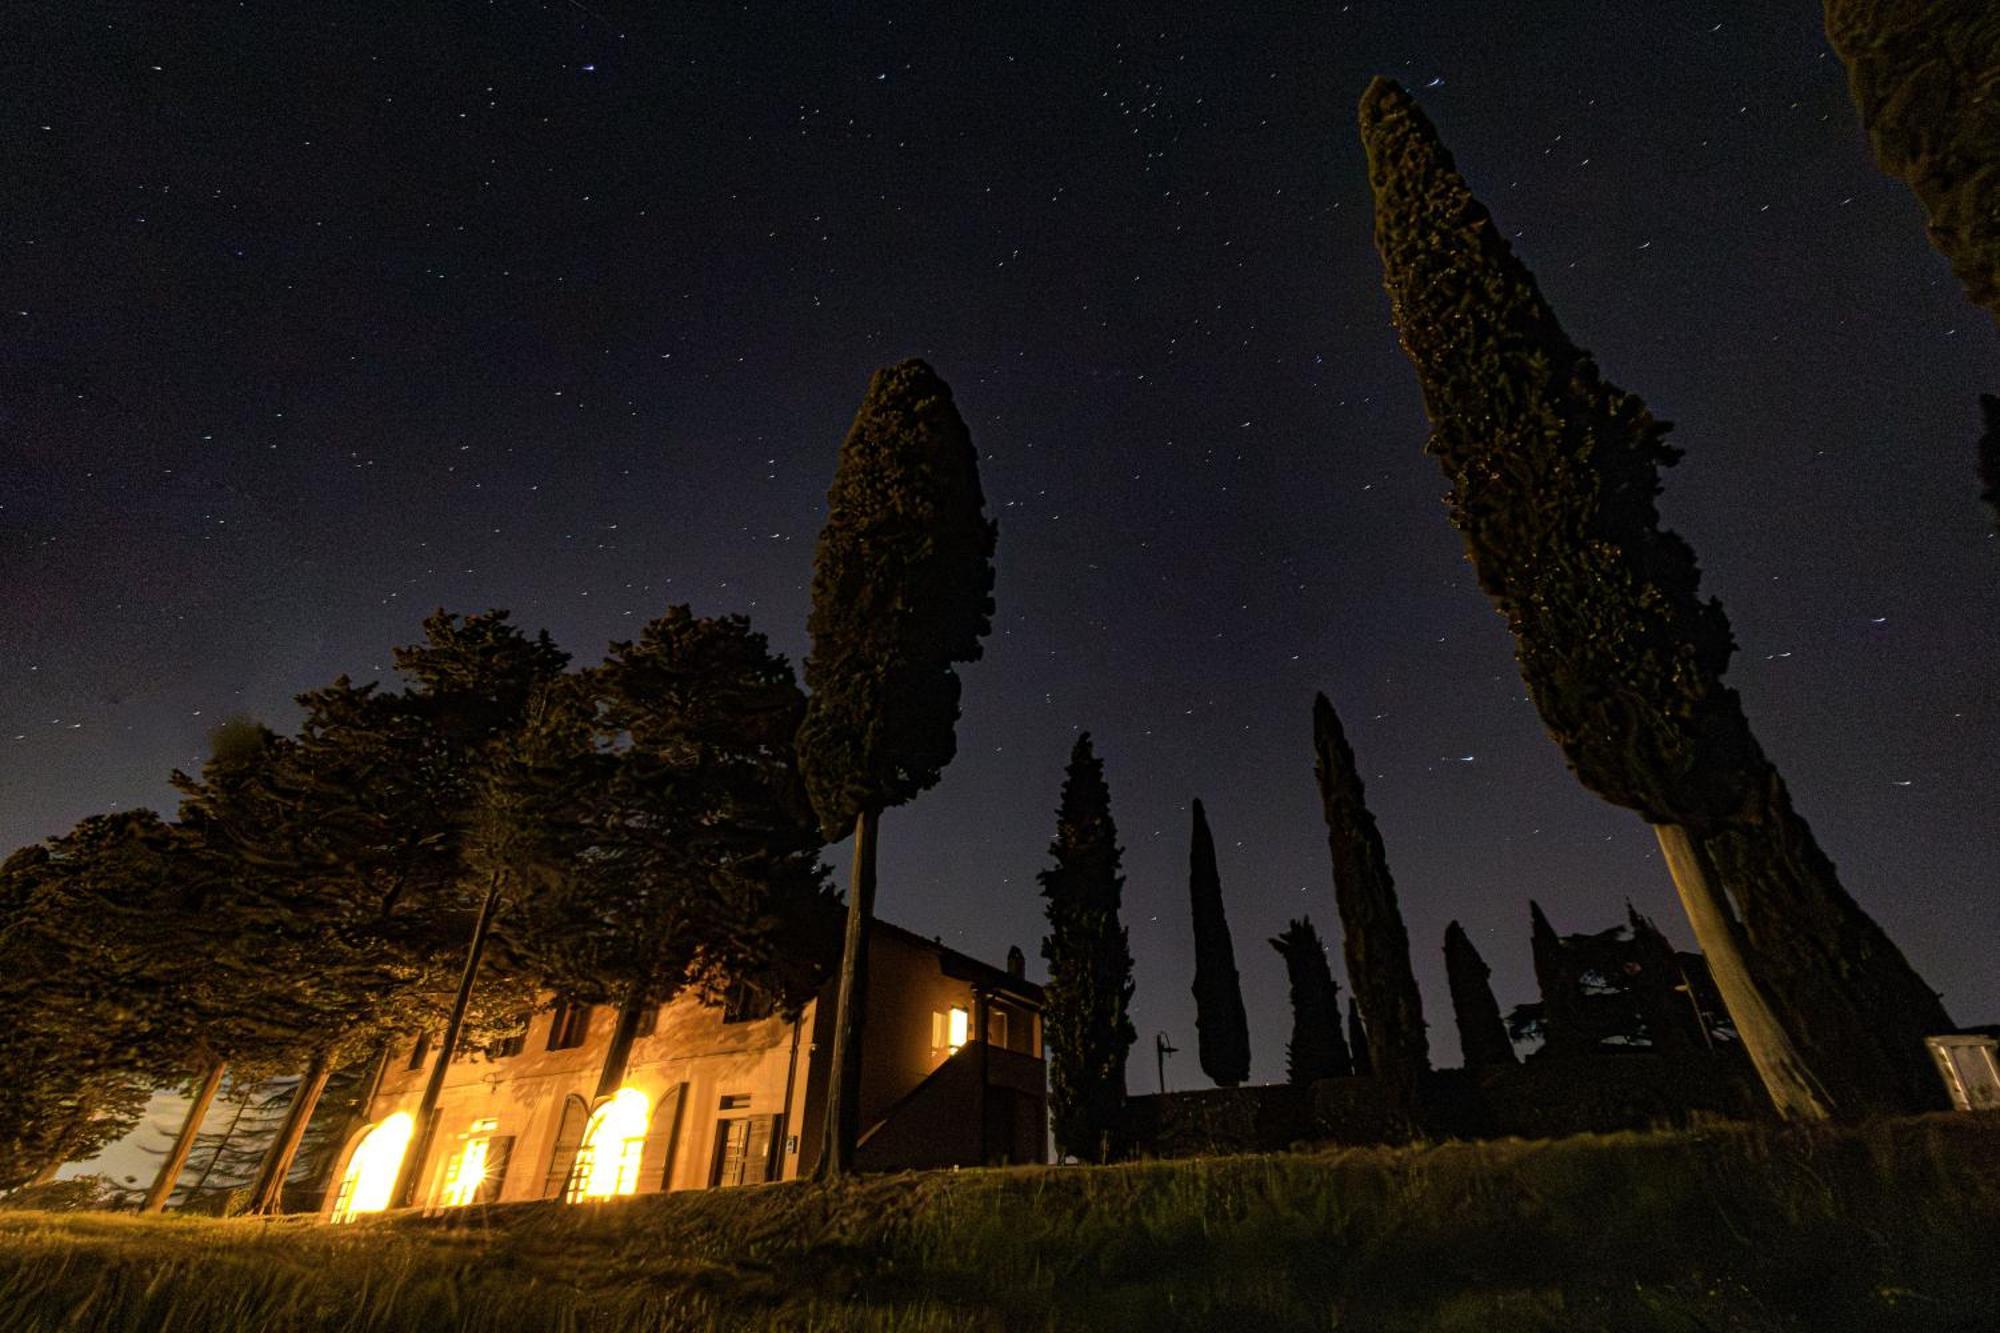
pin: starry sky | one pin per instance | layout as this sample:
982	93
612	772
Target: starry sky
317	318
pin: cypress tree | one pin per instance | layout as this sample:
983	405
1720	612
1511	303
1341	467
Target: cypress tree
1376	944
1222	1030
1357	1040
1086	1015
1922	76
1563	1030
1482	1035
902	592
1553	475
1316	1050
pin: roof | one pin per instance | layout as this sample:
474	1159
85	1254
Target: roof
965	967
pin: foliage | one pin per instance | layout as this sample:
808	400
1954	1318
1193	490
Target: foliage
1316	1050
1086	1015
1221	1028
1922	77
1376	944
1619	989
661	822
1482	1036
902	590
1589	1234
1553	474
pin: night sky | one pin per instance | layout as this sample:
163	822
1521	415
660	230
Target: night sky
317	318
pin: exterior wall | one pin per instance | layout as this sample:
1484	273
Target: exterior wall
694	1060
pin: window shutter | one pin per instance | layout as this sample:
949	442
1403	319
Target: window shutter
499	1152
569	1136
656	1163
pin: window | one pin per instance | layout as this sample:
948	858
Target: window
649	1021
513	1043
371	1170
419	1051
996	1027
745	1003
569	1138
949	1029
743	1147
569	1025
736	1101
478	1168
607	1164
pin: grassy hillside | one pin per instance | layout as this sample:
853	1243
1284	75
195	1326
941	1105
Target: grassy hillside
1883	1229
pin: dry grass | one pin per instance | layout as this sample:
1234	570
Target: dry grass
1884	1228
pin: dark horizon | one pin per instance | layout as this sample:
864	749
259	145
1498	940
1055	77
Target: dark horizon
322	324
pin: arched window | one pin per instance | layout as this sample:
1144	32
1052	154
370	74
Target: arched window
371	1169
569	1137
607	1164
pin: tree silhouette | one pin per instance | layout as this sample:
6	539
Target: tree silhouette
902	591
1316	1050
1553	475
1482	1034
1357	1039
1086	1018
1222	1030
1376	944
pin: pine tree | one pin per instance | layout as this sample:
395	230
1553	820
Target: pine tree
1316	1050
1553	475
1482	1034
1086	1016
902	591
1377	946
1222	1030
668	833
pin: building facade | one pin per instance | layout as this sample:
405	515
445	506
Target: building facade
718	1095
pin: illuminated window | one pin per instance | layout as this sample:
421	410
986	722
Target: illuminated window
949	1028
371	1171
478	1169
607	1163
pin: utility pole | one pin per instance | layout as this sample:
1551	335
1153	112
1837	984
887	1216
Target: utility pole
1162	1048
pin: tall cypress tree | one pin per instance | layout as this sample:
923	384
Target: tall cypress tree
1553	475
1316	1050
902	592
1922	76
1086	1014
1376	944
1222	1029
1989	455
1482	1033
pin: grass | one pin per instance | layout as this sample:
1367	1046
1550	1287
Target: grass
1883	1228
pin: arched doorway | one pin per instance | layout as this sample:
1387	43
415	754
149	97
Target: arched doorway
607	1161
371	1168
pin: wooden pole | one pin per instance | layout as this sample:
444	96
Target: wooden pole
170	1169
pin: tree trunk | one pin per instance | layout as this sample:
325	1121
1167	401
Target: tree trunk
1792	1086
356	1117
268	1197
843	1103
406	1175
48	1173
1856	1008
170	1169
619	1056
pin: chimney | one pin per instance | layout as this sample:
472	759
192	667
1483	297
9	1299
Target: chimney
1017	962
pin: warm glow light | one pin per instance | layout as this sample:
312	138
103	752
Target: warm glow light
960	1024
607	1163
371	1171
468	1167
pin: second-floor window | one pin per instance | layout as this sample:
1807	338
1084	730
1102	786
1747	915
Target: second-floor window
569	1025
419	1051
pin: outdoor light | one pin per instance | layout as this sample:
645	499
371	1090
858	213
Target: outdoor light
607	1164
960	1022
